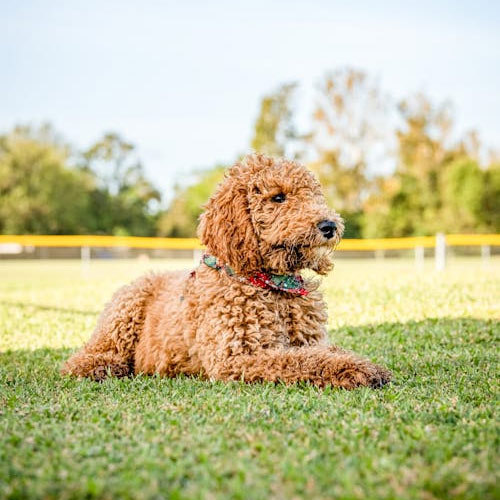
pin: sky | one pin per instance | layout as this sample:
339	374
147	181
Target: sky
182	80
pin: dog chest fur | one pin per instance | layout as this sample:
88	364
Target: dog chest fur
213	305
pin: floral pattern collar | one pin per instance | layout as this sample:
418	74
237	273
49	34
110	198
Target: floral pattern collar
291	283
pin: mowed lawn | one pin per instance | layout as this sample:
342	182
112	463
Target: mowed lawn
433	433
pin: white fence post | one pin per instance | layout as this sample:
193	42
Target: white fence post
197	254
85	259
485	254
440	252
419	256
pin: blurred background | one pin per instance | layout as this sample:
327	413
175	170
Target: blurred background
118	118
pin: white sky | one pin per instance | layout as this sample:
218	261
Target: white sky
182	80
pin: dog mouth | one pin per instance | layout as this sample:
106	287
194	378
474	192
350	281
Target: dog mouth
303	253
300	246
293	257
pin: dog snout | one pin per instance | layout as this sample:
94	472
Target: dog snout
327	228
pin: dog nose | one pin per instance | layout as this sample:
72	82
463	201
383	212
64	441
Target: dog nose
328	228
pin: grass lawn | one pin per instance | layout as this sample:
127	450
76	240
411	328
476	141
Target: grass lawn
433	433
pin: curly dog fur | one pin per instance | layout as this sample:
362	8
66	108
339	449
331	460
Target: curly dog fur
219	326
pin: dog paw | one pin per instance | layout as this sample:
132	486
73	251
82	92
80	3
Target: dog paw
382	377
363	374
119	370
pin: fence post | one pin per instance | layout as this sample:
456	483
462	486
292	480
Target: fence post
85	259
440	252
197	254
485	254
419	256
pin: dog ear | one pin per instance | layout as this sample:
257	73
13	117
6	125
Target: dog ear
226	227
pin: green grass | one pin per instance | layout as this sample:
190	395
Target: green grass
432	433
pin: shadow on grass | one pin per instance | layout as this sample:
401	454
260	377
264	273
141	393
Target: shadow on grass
40	307
414	351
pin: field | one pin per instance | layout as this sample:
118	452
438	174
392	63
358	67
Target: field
432	433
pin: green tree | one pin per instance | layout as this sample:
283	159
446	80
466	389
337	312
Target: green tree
438	184
123	200
181	218
471	197
410	204
39	193
274	130
491	198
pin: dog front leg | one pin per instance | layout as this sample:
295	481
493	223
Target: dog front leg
319	365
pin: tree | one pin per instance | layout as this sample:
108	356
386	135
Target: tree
39	193
491	198
43	189
274	130
181	218
112	160
348	134
438	184
471	197
123	200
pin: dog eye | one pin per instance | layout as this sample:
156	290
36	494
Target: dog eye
278	198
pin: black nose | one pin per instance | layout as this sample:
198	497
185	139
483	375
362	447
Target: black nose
328	228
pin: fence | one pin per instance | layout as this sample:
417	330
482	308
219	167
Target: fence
14	244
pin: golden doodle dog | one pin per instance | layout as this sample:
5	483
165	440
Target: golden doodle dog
245	313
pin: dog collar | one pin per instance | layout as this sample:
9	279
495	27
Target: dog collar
292	283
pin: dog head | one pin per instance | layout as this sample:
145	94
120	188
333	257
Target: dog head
270	214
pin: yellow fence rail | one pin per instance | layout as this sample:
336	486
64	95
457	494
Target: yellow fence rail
194	244
101	241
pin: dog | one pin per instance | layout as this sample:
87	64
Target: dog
245	313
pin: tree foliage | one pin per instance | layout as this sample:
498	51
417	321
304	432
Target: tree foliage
348	125
181	219
274	130
438	183
123	199
45	190
38	193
